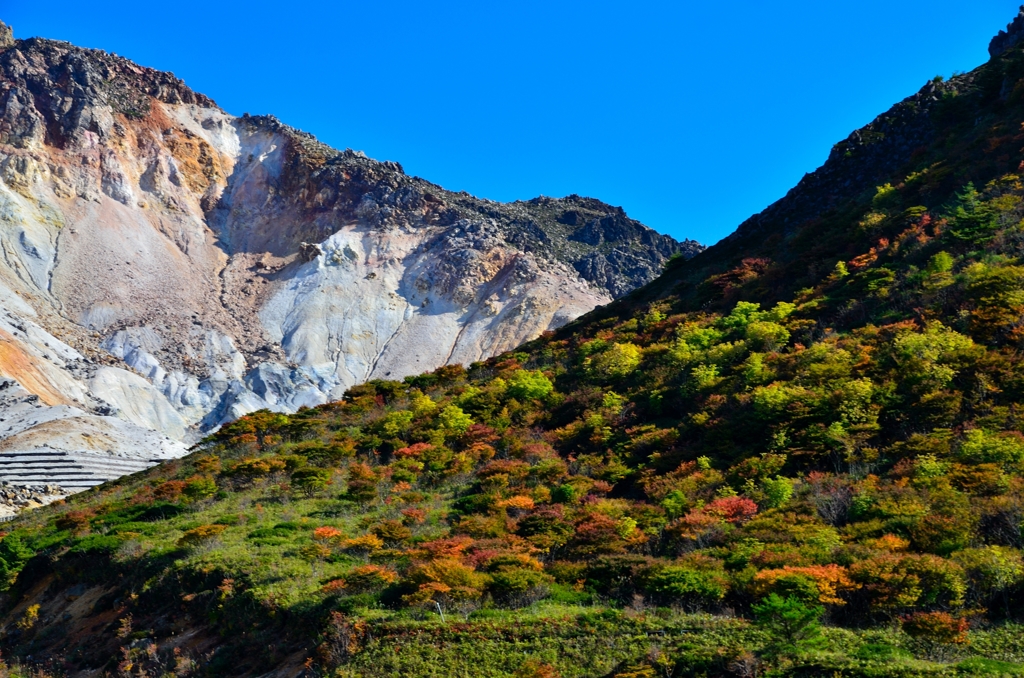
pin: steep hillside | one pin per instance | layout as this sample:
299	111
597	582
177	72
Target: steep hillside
167	266
927	148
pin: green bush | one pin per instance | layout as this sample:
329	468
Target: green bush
679	584
311	479
526	385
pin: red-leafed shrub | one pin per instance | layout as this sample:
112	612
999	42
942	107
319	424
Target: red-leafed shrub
731	509
414	451
74	521
597	534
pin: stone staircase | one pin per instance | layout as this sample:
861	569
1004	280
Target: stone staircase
72	471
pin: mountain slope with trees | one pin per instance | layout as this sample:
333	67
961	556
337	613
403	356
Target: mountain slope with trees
798	453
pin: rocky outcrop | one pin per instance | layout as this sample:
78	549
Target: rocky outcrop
15	498
1004	40
166	267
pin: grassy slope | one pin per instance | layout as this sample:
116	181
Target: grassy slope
576	503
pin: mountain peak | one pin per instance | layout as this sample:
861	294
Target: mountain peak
1004	40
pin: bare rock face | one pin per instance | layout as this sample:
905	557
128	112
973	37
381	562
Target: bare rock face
167	267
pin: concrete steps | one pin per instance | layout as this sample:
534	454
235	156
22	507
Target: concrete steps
73	471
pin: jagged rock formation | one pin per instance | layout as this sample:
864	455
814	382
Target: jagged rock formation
165	266
1004	40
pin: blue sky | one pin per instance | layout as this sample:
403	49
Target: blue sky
690	115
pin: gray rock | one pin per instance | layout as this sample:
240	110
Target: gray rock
1004	40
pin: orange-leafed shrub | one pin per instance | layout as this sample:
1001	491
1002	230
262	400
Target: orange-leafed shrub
208	464
748	270
892	580
326	533
369	578
479	452
428	594
707	525
445	577
199	536
366	543
453	547
534	668
597	534
362	482
413	516
478	433
255	468
890	542
481	527
391	531
170	490
698	527
520	502
514	469
938	627
829	580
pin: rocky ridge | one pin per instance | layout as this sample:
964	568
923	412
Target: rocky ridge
166	267
1004	40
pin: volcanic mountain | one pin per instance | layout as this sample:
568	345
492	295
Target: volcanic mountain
167	266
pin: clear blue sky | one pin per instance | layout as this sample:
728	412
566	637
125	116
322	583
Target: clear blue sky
690	115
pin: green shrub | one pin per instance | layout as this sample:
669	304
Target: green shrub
311	479
200	488
674	584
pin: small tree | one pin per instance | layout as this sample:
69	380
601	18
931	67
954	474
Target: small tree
794	626
971	219
311	479
362	483
199	488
